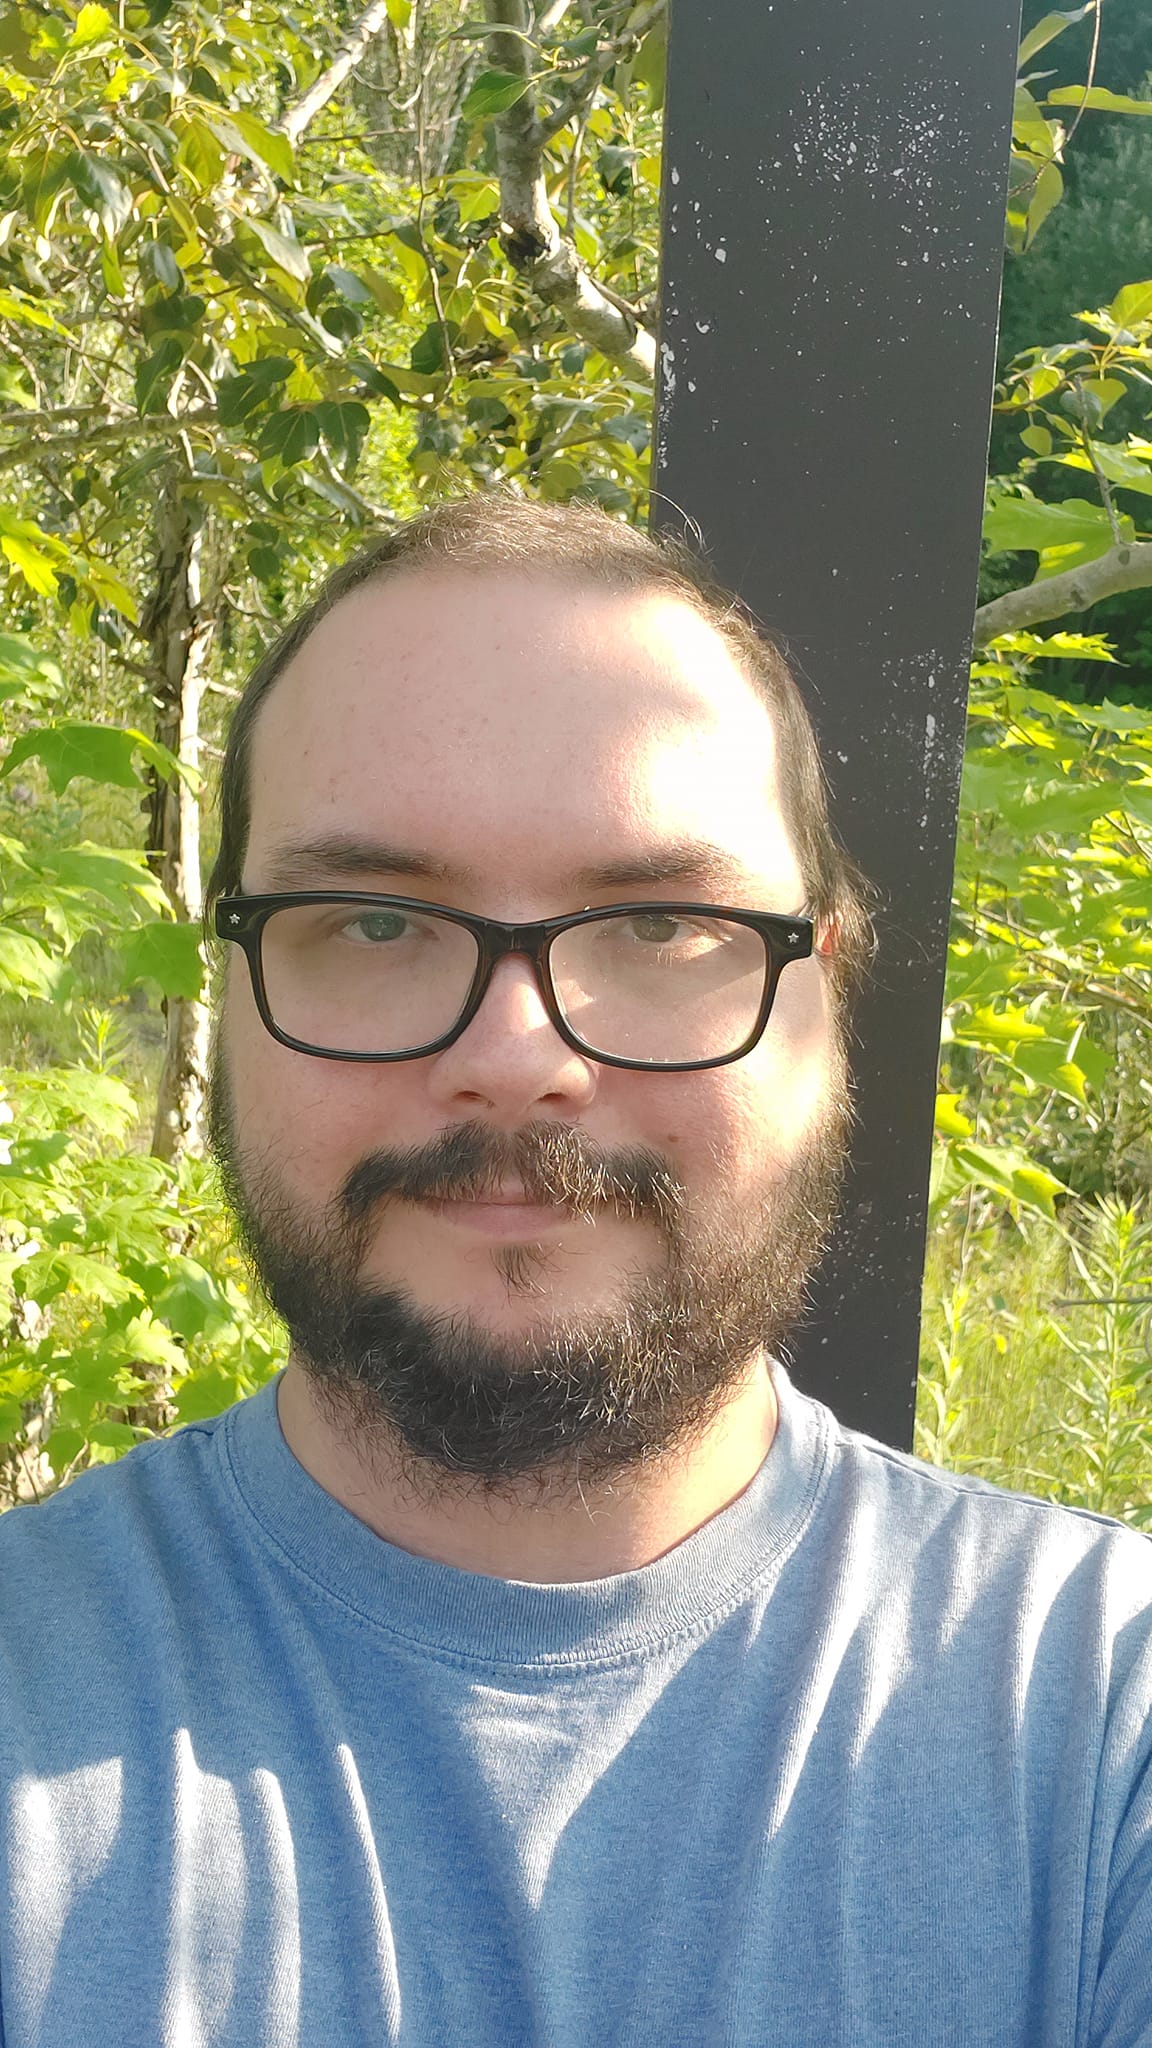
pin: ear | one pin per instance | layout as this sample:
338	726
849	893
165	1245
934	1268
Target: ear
826	938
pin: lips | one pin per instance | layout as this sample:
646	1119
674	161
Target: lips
505	1213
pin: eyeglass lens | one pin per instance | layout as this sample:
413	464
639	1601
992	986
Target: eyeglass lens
655	986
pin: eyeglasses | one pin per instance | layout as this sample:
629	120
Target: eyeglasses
659	986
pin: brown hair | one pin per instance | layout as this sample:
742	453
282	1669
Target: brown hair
496	530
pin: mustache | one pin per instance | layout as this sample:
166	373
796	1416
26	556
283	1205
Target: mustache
554	1163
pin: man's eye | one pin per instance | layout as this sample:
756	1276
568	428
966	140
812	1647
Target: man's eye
658	928
372	927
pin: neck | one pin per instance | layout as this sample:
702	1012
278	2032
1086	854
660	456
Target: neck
549	1540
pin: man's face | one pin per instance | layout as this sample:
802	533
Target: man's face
518	747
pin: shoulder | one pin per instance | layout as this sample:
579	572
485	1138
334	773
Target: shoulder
969	1544
111	1516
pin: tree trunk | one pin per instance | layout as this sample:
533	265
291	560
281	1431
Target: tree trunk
179	627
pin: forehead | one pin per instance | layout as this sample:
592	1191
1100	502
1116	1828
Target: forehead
507	719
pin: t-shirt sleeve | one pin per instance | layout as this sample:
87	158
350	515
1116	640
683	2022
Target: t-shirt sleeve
1122	2007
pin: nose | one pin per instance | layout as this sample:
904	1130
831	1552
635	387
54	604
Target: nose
511	1060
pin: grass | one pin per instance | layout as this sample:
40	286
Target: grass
1035	1366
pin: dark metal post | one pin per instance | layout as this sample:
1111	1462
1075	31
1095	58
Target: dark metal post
834	182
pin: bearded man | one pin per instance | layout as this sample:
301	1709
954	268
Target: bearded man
531	1665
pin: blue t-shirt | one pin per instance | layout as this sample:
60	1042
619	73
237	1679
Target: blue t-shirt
864	1761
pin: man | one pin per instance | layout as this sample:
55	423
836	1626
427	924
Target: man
531	1663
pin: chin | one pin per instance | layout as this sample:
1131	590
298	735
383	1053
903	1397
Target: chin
521	1288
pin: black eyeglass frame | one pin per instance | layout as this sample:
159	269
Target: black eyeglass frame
242	919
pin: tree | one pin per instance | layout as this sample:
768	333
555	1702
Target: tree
265	281
206	278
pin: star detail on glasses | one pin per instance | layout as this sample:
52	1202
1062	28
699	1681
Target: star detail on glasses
235	917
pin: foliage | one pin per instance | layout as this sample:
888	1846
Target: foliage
110	1323
1036	1359
251	303
183	286
1040	137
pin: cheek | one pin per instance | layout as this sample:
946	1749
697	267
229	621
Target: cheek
731	1127
315	1118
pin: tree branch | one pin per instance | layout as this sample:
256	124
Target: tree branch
605	56
1123	568
38	448
349	52
529	236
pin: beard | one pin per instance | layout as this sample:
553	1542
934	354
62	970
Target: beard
570	1402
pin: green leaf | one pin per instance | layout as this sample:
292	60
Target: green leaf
191	1303
266	145
290	435
1120	718
207	1391
1048	1066
344	427
1060	647
238	396
26	967
1094	1063
1132	304
1098	99
387	295
286	253
101	753
428	355
650	65
1029	523
177	311
200	155
108	1441
34	564
93	25
950	1123
147	1342
1130	472
265	563
353	288
1046	193
25	672
163	265
24	311
996	1027
62	1448
1102	393
1002	1169
493	92
1038	439
477	197
166	954
1046	31
76	1095
122	878
53	1272
153	380
100	189
110	590
1030	131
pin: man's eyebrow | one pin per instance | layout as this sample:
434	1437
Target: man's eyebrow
340	854
695	861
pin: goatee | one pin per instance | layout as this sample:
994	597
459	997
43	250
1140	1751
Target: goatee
568	1402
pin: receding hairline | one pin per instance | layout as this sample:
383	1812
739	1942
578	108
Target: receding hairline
394	577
